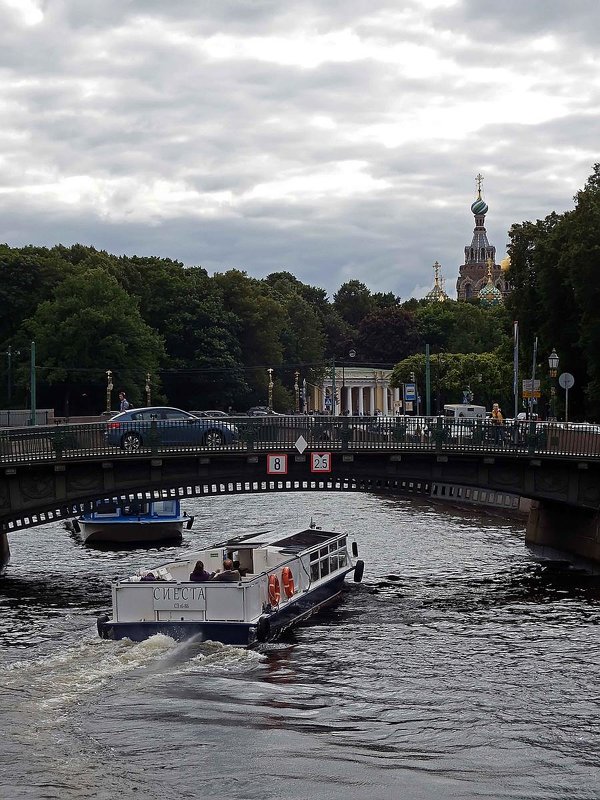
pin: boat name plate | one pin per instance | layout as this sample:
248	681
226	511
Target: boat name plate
174	598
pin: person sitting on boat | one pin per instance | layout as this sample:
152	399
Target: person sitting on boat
228	573
200	574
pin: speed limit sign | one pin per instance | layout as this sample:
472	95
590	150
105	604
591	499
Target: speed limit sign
320	462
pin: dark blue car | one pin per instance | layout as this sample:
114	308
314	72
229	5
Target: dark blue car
167	427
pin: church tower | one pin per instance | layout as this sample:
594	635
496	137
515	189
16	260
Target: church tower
480	256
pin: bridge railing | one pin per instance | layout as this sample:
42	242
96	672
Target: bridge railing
314	432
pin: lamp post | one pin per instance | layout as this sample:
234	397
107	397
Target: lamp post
32	387
270	371
109	388
9	354
148	390
297	390
553	370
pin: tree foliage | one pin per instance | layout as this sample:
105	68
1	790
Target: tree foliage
555	263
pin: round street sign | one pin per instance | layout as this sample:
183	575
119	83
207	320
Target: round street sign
566	380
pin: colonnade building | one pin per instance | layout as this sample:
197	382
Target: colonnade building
360	391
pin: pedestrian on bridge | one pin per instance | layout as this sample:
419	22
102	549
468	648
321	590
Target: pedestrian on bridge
497	422
124	403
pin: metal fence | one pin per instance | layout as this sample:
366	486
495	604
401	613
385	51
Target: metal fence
322	433
18	417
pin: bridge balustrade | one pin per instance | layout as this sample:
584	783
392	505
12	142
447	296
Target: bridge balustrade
256	434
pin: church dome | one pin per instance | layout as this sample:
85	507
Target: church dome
436	295
479	206
505	263
490	295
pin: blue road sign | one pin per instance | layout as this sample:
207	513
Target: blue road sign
410	392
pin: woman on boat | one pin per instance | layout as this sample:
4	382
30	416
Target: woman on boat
200	574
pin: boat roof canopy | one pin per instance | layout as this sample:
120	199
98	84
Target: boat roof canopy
308	537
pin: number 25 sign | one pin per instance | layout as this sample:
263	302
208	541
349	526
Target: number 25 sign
320	462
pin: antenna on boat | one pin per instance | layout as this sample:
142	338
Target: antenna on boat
313	524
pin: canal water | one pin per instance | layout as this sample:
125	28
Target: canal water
459	668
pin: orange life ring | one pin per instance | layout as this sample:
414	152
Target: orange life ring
274	590
288	581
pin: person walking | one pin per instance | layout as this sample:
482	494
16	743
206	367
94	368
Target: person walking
124	403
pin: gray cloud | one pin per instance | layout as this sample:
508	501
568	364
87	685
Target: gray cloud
333	139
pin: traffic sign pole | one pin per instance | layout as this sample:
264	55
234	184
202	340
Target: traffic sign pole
566	381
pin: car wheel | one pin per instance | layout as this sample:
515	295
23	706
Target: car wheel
213	439
131	441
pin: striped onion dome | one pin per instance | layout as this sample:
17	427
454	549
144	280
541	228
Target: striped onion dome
479	206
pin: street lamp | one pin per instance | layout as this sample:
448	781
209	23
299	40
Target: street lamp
297	390
344	407
270	371
9	354
553	370
148	385
109	388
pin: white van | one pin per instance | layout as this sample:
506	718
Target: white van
464	411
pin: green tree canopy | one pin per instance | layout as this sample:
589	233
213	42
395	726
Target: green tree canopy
89	326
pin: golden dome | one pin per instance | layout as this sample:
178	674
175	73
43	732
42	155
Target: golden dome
505	263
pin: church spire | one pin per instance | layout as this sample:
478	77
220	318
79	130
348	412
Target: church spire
480	255
437	293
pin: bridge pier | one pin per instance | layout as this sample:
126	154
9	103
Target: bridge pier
4	552
557	527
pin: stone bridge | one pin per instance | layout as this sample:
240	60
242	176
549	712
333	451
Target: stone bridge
49	473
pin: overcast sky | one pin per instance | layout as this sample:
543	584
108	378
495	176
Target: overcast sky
335	139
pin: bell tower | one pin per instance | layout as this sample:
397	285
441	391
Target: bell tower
473	274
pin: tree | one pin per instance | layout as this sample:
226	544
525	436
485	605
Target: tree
353	301
462	327
388	335
90	325
261	320
487	375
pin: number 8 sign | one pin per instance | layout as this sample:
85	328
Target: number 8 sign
277	463
320	462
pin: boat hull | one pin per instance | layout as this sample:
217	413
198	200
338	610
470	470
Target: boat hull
241	634
100	532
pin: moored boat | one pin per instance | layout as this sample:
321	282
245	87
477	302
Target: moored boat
279	580
132	521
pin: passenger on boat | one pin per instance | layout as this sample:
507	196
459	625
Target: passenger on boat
241	570
149	576
200	574
228	573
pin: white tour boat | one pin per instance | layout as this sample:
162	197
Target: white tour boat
115	521
279	580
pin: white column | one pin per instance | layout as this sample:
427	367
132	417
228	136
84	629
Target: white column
361	400
396	400
385	408
372	401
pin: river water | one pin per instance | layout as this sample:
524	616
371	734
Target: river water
459	668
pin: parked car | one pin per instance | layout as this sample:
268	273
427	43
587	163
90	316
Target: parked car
263	411
213	414
165	426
